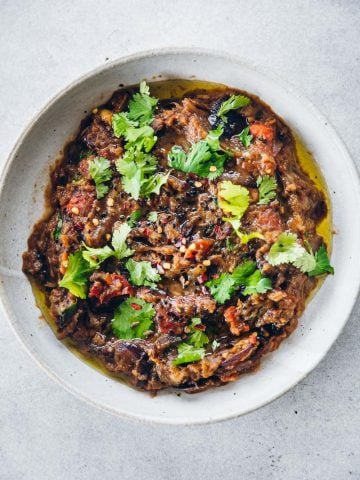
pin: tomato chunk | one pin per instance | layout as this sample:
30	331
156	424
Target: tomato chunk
106	286
232	318
259	130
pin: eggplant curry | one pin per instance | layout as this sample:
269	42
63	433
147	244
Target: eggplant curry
182	241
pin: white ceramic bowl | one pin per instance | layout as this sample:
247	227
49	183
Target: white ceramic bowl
22	201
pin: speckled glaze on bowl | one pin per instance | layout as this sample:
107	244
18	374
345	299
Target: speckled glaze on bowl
26	174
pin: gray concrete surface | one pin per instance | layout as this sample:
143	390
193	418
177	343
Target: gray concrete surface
310	433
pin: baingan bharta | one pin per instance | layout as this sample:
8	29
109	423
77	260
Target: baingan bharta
181	242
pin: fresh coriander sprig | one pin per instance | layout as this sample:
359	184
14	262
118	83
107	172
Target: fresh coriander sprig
142	273
121	123
197	337
205	158
287	249
245	137
267	189
142	105
101	173
245	276
234	200
76	276
193	349
322	263
233	103
187	353
139	174
133	318
137	166
244	237
119	250
134	217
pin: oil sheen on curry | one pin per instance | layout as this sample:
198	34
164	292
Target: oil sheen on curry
183	237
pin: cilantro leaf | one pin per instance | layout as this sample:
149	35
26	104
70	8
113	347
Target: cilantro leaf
139	114
177	158
256	283
222	288
197	337
142	273
233	103
286	249
192	350
188	353
245	137
57	231
138	170
267	189
243	271
142	105
140	138
132	166
121	123
194	322
244	237
205	158
132	318
121	250
134	217
144	88
153	184
100	172
137	166
305	262
213	137
199	160
77	275
244	276
95	256
233	199
101	190
152	217
322	263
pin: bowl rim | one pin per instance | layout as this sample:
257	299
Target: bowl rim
211	53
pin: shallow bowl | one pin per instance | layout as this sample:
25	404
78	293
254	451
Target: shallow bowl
26	174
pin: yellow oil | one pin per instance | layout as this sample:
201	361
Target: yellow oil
177	88
309	165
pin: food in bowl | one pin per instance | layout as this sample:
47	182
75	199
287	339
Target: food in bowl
181	240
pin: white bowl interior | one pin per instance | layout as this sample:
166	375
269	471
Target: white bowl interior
22	203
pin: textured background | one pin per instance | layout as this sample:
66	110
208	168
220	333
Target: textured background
313	431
